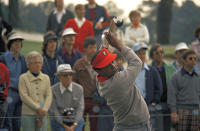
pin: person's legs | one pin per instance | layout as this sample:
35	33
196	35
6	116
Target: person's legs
55	126
17	113
12	101
28	123
80	125
3	111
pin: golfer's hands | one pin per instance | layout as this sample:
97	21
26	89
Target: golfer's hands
174	117
113	40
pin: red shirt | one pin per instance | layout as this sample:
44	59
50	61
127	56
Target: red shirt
4	78
83	32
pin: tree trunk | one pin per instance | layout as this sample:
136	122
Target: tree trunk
13	13
164	17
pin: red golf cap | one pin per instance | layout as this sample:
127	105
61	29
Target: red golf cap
102	58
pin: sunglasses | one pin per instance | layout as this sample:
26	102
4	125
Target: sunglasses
36	63
66	75
192	58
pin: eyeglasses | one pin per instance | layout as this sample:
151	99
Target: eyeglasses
192	58
36	63
66	75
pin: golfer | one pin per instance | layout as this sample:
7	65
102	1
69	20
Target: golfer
129	108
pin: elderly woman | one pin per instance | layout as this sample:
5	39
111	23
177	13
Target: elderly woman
36	95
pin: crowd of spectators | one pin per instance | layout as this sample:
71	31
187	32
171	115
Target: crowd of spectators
61	82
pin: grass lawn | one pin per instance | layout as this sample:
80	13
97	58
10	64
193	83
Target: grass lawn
31	46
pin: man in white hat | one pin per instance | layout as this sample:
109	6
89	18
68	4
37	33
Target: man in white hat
66	95
16	65
66	51
179	49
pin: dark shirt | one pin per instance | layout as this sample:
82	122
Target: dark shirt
50	65
69	59
161	71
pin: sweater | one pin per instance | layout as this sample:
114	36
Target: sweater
128	106
83	32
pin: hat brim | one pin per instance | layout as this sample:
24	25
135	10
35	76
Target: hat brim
69	71
105	62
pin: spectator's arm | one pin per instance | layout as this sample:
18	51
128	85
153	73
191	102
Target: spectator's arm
54	112
145	37
80	109
158	86
48	95
171	93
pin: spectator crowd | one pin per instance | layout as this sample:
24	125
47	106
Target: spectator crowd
65	85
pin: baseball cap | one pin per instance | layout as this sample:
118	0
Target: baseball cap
102	58
64	68
139	45
68	31
181	46
14	36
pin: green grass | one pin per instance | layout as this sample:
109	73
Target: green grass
31	46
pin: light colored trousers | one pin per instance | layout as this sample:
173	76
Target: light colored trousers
28	123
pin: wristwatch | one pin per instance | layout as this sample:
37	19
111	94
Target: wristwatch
75	124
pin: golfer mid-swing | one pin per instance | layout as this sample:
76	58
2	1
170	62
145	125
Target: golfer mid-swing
129	108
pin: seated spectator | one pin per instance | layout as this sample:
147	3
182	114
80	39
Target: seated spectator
36	95
183	94
81	26
4	86
66	51
66	95
51	60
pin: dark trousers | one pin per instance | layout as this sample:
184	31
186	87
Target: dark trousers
3	111
106	122
89	110
14	110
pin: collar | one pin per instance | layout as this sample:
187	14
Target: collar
10	56
31	77
81	21
55	11
91	6
135	25
102	78
62	88
64	51
183	72
145	66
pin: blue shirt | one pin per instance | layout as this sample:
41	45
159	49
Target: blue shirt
14	67
140	81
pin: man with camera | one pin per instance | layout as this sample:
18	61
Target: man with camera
4	85
67	108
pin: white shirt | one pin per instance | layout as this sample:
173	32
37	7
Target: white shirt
140	33
62	88
59	14
79	22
